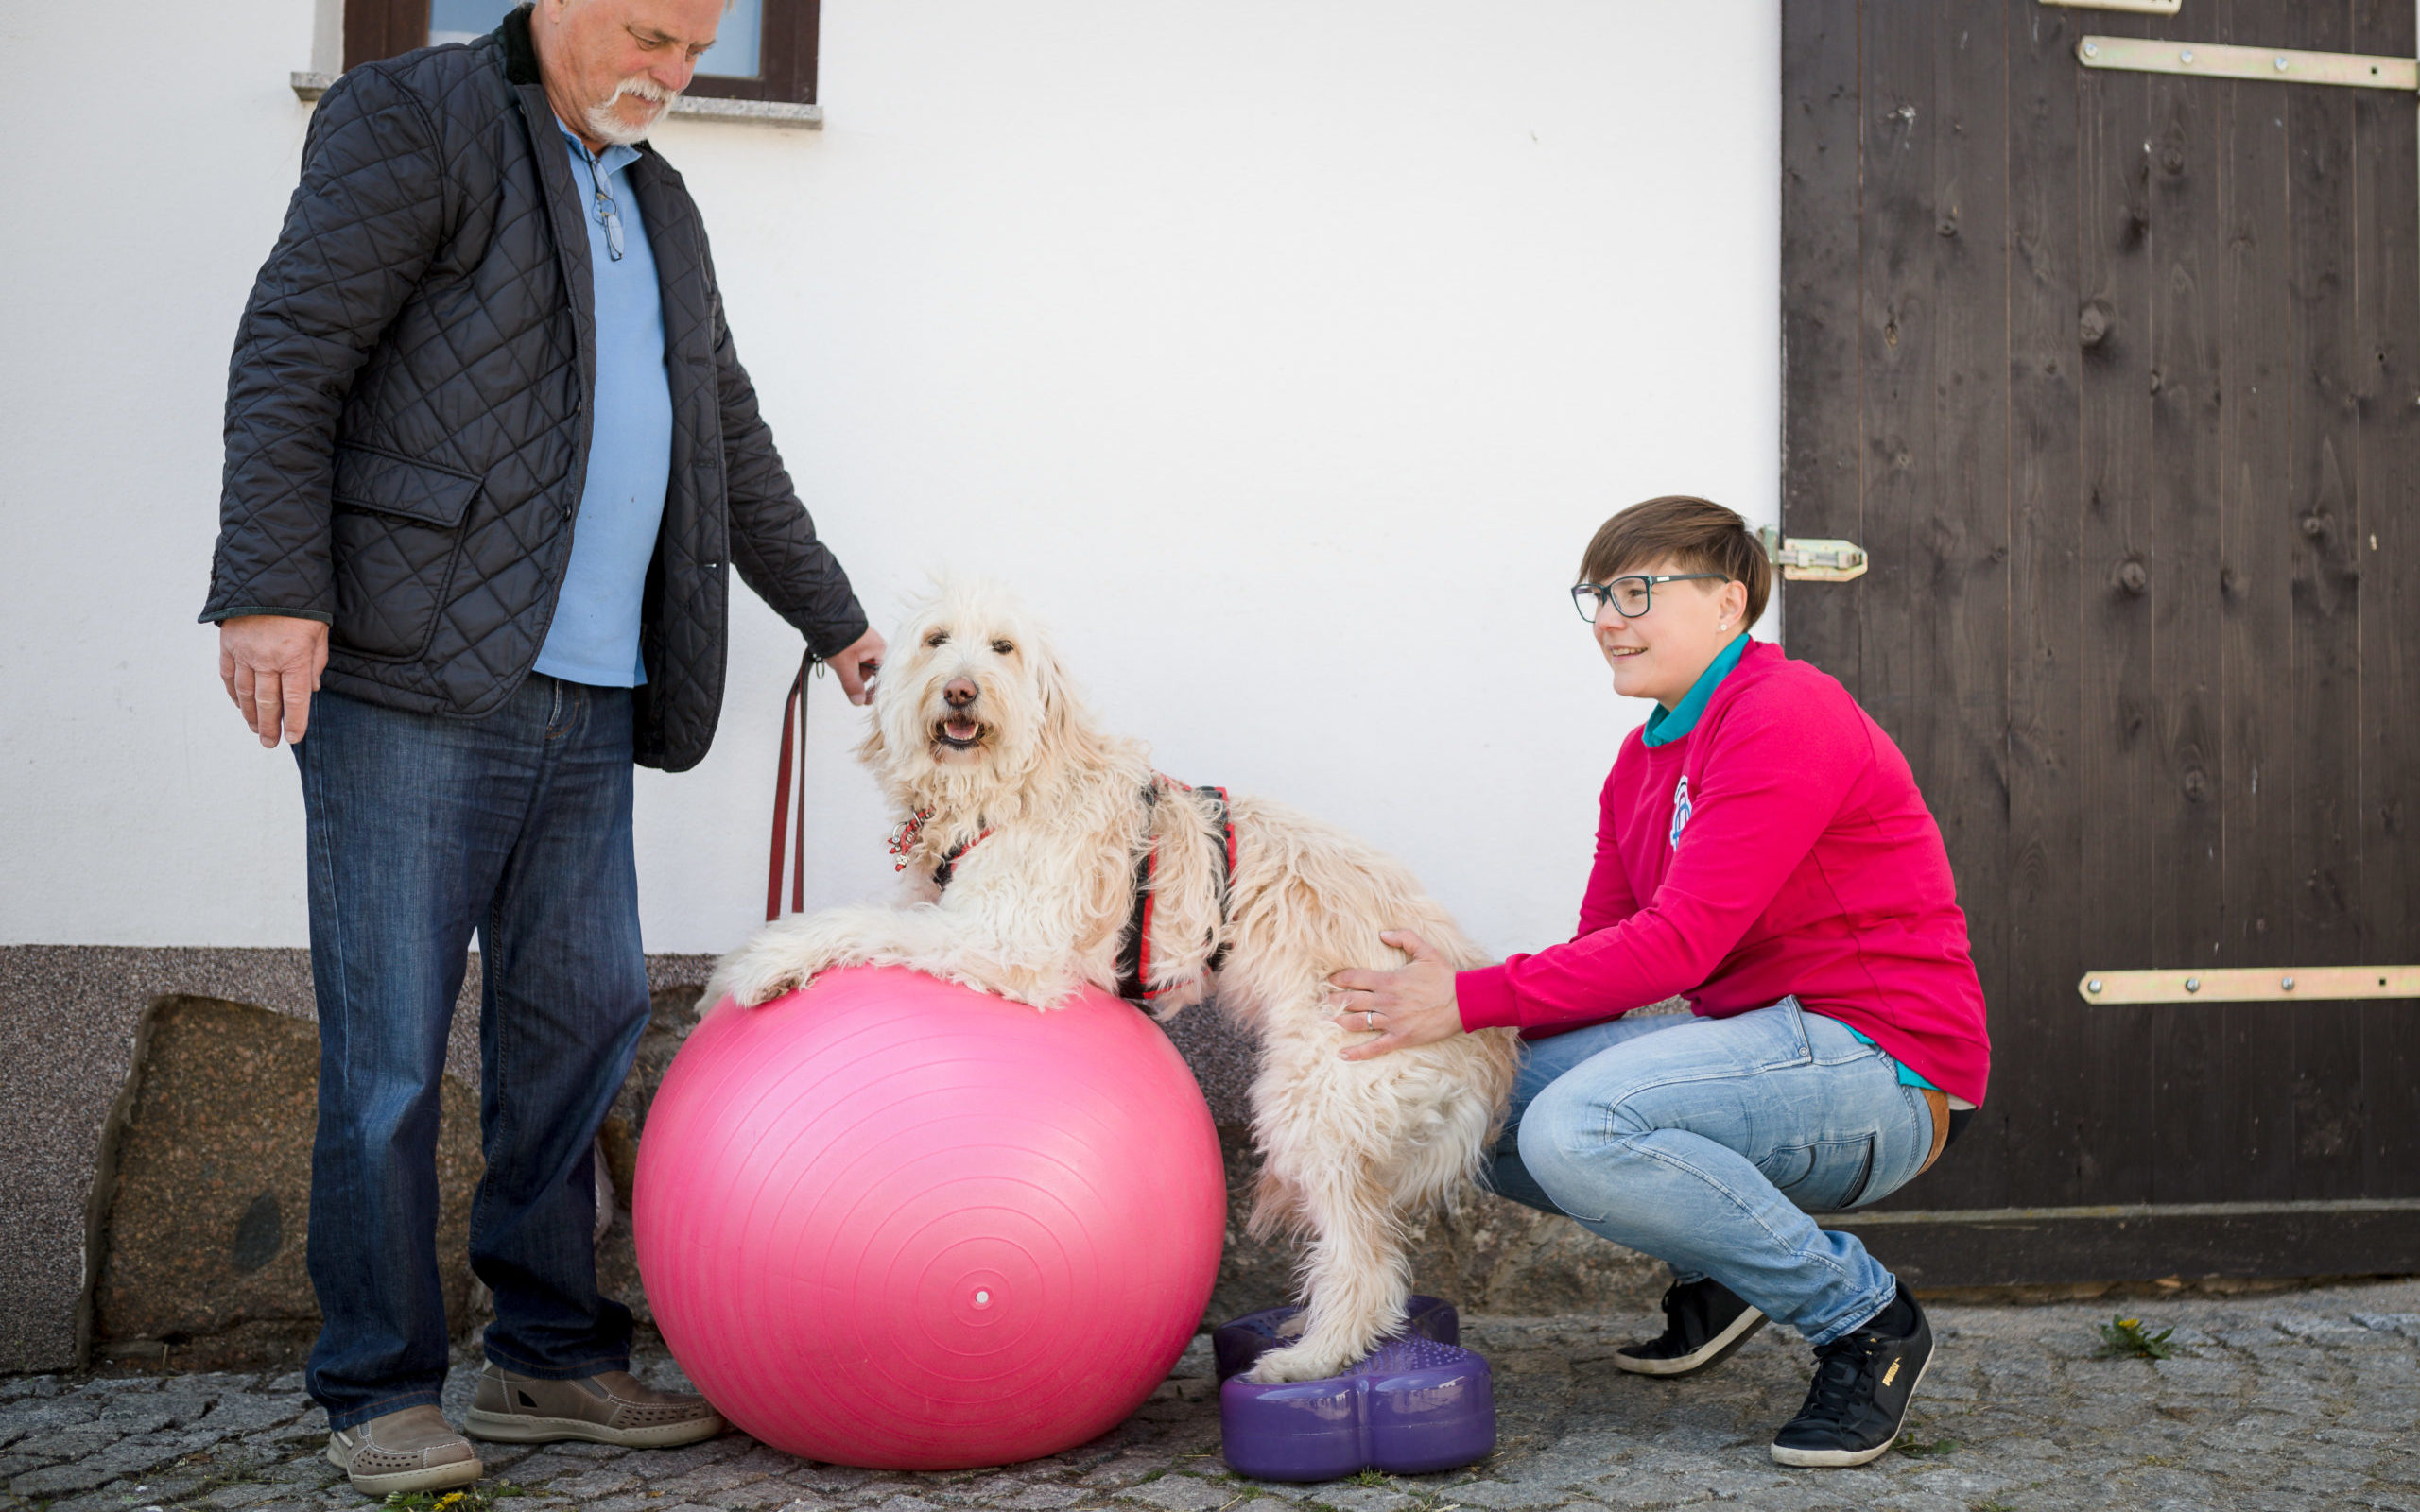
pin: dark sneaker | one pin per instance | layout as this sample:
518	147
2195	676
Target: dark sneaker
408	1451
1704	1323
608	1408
1863	1382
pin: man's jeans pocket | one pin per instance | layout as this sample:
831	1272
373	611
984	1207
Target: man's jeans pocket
1825	1176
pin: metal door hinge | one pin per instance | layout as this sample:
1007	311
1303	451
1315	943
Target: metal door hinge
1813	561
2252	984
2143	54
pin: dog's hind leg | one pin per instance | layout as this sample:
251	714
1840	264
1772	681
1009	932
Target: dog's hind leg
1353	1269
1324	1126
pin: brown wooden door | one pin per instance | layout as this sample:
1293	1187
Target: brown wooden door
2115	376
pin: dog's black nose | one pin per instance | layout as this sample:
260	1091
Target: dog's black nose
959	692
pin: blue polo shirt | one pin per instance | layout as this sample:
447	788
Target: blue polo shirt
594	636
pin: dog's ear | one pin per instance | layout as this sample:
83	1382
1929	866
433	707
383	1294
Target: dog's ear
1067	720
1050	687
874	749
1064	723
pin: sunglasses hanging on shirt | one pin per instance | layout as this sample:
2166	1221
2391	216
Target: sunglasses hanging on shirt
608	214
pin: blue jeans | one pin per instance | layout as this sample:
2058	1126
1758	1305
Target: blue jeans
1707	1141
423	830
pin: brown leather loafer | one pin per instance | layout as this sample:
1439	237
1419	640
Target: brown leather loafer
607	1408
413	1450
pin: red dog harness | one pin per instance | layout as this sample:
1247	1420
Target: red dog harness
1135	945
1134	948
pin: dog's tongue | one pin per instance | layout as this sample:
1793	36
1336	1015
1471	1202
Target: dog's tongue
961	729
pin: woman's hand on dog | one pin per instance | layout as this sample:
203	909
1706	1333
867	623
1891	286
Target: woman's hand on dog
1410	1006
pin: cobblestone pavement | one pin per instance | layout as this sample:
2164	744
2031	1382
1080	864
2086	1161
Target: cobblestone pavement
2286	1400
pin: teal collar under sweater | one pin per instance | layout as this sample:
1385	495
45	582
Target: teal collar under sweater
1665	725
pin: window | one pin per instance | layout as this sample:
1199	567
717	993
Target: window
765	49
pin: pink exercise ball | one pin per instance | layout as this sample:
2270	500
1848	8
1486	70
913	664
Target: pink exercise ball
896	1223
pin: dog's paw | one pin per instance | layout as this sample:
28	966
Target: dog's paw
753	984
1303	1362
781	959
1041	988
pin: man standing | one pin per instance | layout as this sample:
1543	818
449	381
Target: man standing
489	452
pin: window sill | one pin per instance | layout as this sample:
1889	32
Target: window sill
696	107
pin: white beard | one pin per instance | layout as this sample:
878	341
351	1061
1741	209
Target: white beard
606	126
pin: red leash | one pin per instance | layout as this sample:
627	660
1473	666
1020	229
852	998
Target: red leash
790	771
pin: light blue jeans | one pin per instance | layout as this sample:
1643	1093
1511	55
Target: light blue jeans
1706	1142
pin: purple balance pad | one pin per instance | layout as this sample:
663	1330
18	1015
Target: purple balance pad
1415	1405
1240	1343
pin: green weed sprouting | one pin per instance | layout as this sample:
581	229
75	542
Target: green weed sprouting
476	1498
2123	1338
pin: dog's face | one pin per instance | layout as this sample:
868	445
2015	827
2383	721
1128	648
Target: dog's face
971	696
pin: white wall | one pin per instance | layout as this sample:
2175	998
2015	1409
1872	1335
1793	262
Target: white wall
1284	354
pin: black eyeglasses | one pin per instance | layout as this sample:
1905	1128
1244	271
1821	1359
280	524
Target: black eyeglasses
1631	596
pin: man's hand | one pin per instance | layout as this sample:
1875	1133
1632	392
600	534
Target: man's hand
856	665
1411	1006
271	664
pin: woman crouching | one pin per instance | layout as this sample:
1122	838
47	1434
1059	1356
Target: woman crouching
1761	850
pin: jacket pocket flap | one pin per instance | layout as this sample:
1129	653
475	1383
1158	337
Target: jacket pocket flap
391	485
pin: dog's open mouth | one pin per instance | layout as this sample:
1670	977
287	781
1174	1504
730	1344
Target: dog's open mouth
958	733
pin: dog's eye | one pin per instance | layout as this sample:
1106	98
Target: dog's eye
1003	648
938	638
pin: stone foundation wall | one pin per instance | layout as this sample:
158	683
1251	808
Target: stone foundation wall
155	1124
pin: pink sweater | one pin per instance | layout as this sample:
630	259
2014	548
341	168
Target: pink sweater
1782	848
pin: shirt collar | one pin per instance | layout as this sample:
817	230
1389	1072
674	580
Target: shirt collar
1665	725
616	156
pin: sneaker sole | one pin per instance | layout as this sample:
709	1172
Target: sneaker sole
1712	1352
435	1478
1844	1458
519	1428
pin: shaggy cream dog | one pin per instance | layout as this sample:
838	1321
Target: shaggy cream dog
1037	819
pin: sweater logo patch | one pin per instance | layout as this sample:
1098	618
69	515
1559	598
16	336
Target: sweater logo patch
1680	811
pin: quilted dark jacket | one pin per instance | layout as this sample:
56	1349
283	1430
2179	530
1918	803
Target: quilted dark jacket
408	422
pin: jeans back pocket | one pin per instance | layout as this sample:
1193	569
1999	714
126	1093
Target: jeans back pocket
1828	1176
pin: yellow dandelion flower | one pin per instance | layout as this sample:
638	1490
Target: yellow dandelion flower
2123	1323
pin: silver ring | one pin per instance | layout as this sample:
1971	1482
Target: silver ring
1369	1020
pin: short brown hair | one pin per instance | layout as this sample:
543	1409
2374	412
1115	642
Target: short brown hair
1697	534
